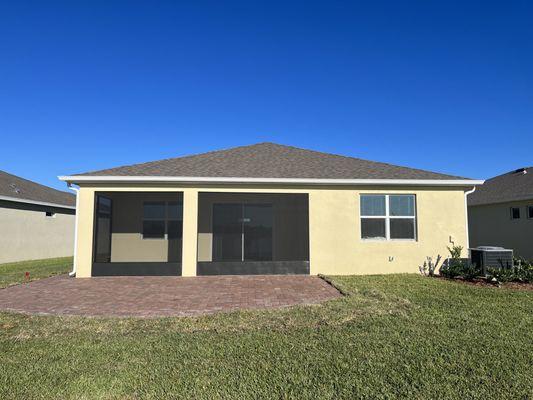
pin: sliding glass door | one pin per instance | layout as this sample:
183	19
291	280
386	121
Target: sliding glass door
257	232
242	232
227	232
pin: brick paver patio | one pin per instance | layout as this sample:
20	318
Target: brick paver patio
162	296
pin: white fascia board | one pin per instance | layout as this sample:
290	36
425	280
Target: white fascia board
40	203
284	181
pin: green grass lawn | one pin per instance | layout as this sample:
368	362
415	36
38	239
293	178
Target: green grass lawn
14	273
398	336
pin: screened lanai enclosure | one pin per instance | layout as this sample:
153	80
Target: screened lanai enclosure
138	233
257	233
141	233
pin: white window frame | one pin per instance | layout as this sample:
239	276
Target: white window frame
166	218
387	217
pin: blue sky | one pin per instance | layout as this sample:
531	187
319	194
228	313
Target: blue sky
445	86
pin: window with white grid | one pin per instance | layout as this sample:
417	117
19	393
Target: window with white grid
388	217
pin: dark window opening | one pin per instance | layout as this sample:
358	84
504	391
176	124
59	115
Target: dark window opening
103	229
515	213
153	229
402	228
373	228
162	220
50	214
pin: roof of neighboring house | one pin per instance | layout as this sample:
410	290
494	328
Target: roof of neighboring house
269	160
511	186
14	188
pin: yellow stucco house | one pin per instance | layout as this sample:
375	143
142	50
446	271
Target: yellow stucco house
265	209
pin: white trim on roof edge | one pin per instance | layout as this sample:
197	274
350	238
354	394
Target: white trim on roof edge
40	203
290	181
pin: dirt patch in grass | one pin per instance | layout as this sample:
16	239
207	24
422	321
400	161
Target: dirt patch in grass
518	286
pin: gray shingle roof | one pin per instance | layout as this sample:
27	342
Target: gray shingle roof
15	187
270	160
512	186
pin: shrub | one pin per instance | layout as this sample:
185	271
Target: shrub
521	271
527	275
456	266
455	252
461	268
470	271
429	267
451	270
500	274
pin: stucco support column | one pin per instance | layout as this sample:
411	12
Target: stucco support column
190	232
84	252
313	270
319	241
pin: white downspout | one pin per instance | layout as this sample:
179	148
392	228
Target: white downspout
73	272
466	216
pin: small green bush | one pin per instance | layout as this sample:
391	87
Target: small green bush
500	274
459	267
464	269
451	270
455	252
470	271
521	271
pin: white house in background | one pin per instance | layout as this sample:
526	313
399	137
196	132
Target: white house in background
36	221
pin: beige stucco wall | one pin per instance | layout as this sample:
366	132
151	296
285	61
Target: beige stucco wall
336	246
491	225
30	235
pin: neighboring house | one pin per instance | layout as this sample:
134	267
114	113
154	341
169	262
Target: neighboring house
36	221
501	213
265	209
